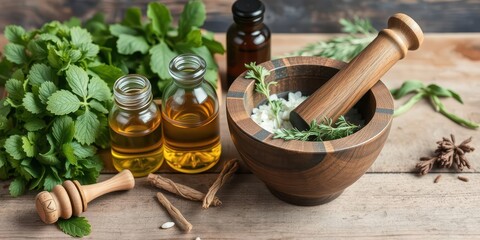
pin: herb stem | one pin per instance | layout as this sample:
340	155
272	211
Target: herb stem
409	104
453	117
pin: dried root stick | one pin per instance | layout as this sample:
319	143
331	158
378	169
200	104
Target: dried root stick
179	189
174	213
228	170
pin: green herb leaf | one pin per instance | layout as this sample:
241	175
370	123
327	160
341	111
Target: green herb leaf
160	17
28	147
13	146
77	79
68	151
118	29
83	151
98	106
128	44
15	53
15	90
39	73
80	36
133	18
14	33
63	102
17	187
86	127
32	103
108	73
212	45
46	90
193	15
406	88
63	130
51	180
74	226
35	124
98	90
161	55
38	48
50	157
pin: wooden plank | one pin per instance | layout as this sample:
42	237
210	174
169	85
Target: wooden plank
377	206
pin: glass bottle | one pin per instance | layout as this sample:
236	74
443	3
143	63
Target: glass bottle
248	38
135	127
191	126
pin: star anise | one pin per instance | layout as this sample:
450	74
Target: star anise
447	155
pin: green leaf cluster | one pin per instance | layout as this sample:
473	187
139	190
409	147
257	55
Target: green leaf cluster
146	47
324	131
54	117
359	32
432	92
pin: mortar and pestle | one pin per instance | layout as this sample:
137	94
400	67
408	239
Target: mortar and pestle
312	173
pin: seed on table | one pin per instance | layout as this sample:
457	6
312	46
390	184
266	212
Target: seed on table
168	225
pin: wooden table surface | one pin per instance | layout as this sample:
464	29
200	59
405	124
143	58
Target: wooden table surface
389	201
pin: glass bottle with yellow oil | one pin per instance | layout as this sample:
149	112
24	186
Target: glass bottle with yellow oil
135	127
191	126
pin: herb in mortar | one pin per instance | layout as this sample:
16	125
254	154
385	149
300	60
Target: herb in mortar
432	92
146	47
345	48
54	117
317	131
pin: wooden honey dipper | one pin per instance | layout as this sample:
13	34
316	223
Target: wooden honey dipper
71	198
344	89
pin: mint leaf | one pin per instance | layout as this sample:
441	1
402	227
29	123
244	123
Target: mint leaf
160	17
39	73
27	171
98	106
32	104
36	182
15	53
51	180
74	55
90	50
80	36
161	55
18	74
99	90
53	58
86	127
83	151
46	90
127	44
108	73
13	146
117	29
77	79
50	157
38	48
3	122
133	18
212	45
192	40
17	187
74	226
63	102
63	130
35	124
28	147
67	150
14	33
193	15
15	90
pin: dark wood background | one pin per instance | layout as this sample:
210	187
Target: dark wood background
286	16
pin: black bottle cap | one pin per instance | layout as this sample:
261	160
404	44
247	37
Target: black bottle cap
248	11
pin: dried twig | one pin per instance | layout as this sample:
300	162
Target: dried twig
228	170
179	189
437	179
174	213
465	179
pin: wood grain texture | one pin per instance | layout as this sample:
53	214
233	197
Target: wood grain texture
378	206
309	16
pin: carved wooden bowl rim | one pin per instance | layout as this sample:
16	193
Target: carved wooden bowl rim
236	102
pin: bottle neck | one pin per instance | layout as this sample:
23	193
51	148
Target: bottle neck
187	70
132	92
250	26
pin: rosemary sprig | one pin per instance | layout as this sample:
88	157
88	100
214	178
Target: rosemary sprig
259	73
324	131
345	48
432	92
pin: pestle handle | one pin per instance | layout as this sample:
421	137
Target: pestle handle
344	89
122	181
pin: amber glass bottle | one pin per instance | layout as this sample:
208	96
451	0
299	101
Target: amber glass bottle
248	38
191	126
135	127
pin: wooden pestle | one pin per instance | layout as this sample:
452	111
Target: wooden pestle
71	198
344	89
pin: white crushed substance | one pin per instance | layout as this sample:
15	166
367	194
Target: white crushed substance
263	115
198	238
168	225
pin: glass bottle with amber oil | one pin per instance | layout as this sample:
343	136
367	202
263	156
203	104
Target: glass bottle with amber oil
191	126
135	127
248	38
